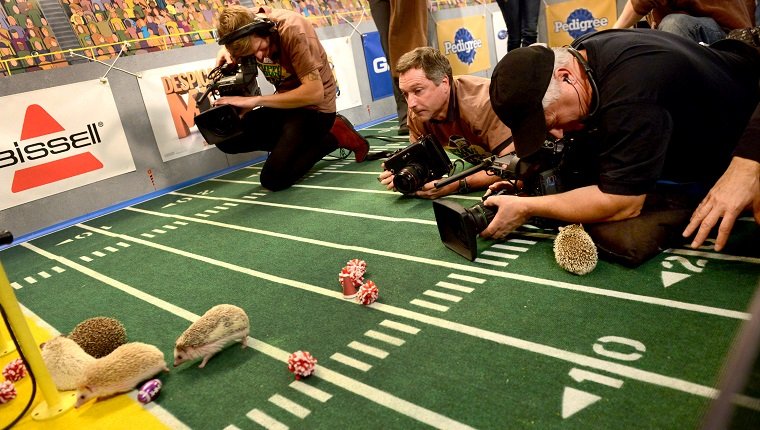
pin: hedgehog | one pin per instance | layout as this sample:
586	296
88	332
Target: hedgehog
574	250
66	361
99	336
218	326
120	371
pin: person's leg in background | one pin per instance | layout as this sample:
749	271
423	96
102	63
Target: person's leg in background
407	30
698	29
529	21
304	139
381	14
510	9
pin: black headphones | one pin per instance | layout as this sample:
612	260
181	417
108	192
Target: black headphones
590	74
260	27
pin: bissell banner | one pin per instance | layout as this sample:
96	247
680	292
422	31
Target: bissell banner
465	43
340	54
569	20
169	95
378	69
57	139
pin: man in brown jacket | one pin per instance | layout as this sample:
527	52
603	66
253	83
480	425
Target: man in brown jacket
704	21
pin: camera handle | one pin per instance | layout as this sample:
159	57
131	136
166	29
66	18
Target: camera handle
488	162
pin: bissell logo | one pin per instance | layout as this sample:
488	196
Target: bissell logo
41	137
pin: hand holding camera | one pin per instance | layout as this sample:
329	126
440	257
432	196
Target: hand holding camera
415	166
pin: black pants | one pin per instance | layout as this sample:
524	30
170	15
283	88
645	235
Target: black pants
295	138
521	17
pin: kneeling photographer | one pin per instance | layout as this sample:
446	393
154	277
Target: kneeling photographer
449	111
669	115
298	124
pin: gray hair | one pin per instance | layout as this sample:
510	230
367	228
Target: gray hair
562	58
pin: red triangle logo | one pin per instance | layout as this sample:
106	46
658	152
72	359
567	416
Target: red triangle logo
37	122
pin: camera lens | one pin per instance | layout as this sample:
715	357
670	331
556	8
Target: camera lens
480	216
410	178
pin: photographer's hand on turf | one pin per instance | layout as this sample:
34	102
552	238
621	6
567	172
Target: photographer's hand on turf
511	213
386	178
737	189
429	191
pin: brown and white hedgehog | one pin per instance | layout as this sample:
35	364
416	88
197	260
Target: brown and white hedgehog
120	371
66	361
99	336
574	250
213	331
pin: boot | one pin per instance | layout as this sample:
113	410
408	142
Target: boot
349	138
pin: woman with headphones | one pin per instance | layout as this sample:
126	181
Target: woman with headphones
297	124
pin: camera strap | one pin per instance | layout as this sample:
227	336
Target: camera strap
496	151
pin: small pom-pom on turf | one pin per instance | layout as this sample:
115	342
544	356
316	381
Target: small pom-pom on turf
367	293
357	266
15	370
301	364
7	392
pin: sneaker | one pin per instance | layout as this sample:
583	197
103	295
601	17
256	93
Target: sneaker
349	138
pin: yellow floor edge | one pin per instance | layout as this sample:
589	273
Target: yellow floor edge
118	412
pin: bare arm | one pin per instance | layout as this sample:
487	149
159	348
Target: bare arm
736	190
310	92
628	17
582	205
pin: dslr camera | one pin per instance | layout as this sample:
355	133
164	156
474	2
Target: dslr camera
536	175
221	123
418	164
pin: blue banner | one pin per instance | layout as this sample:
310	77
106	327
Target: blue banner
378	70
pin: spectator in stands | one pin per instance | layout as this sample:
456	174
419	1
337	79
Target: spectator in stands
402	26
443	105
301	123
705	21
646	106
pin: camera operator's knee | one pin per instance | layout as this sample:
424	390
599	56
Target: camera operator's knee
276	181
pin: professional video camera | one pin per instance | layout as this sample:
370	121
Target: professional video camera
417	164
220	123
536	175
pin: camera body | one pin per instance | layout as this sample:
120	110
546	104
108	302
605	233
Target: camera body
418	164
538	175
218	124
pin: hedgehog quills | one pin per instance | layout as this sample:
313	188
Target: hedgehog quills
99	336
574	250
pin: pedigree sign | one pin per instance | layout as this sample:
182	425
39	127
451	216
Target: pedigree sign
57	139
570	20
464	43
169	95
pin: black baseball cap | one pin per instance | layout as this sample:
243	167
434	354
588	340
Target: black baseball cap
518	84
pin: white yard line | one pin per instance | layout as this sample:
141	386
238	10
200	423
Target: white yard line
459	267
545	350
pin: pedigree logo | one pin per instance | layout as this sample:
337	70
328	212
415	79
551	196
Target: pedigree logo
43	137
465	46
180	90
580	22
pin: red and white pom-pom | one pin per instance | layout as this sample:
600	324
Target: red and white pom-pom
358	266
14	370
367	293
7	391
354	276
349	281
301	363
